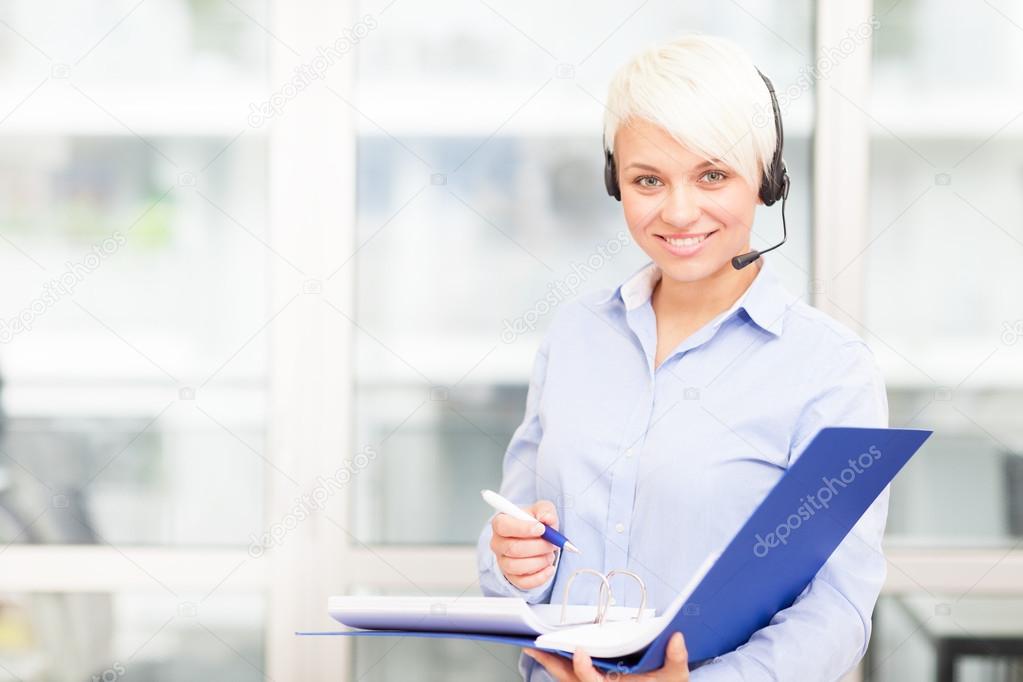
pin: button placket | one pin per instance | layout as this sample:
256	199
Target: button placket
623	489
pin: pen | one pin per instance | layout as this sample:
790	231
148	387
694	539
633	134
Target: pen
511	509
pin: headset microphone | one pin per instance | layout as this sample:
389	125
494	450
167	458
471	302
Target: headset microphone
775	184
741	261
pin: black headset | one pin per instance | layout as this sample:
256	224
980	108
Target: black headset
774	186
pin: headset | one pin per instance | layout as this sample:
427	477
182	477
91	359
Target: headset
774	186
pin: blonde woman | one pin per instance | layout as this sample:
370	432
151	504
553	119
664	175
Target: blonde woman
661	413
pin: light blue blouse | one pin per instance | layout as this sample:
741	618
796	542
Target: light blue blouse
653	470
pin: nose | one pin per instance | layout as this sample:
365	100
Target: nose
682	206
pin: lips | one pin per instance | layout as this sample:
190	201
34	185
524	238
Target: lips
684	251
688	235
705	235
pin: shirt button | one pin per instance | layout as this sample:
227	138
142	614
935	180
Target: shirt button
620	527
628	453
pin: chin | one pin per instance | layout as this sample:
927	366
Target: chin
692	272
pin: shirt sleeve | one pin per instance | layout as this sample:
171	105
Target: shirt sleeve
518	484
825	632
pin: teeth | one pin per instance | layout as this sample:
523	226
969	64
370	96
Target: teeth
690	241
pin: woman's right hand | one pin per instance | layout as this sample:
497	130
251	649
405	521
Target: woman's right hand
526	559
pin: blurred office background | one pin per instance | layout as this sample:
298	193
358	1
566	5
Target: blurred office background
260	261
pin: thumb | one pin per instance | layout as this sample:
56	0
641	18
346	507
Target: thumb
582	666
677	658
545	512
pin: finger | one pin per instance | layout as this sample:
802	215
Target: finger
523	549
528	582
676	660
582	666
546	512
558	667
526	566
508	526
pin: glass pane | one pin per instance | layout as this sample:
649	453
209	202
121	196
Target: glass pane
455	444
378	659
964	489
58	637
186	45
100	231
120	480
481	208
133	348
941	271
943	637
433	660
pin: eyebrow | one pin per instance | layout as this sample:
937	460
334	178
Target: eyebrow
705	164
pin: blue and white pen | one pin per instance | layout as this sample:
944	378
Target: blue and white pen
511	509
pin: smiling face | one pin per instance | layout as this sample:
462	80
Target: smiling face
669	193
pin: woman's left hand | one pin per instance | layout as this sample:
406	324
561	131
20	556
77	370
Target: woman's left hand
580	669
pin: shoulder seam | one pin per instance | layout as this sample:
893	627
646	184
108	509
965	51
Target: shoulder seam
830	327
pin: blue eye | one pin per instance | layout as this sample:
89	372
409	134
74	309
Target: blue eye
640	179
716	172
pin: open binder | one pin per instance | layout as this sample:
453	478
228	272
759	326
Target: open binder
731	596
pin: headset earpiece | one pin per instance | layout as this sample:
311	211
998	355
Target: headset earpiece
775	185
611	175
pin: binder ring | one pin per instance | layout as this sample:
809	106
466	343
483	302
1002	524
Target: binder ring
642	589
606	596
602	602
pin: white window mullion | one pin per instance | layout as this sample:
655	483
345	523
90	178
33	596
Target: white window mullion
841	160
312	195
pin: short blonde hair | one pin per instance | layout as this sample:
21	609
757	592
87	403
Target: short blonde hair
706	93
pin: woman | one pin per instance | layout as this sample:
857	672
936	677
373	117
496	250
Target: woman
661	413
